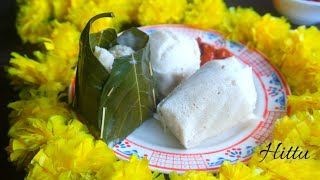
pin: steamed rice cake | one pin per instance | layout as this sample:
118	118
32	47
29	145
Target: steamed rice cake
219	96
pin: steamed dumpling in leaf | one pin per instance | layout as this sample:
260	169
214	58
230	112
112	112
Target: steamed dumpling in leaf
125	89
129	94
91	75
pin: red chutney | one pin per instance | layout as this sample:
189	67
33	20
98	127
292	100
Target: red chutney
209	52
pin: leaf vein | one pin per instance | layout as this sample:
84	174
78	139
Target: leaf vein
138	88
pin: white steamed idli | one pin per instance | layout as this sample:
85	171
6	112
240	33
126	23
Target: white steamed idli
174	57
217	97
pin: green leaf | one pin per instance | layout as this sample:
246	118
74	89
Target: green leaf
129	94
103	39
133	38
91	75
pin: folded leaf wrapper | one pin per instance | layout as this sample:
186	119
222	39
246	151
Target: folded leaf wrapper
127	93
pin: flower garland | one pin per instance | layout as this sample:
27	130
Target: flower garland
49	144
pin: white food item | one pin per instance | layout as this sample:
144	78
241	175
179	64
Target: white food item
121	50
107	57
174	57
217	97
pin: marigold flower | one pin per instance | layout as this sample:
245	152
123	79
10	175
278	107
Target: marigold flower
301	129
161	11
284	168
64	43
80	14
239	171
45	71
33	20
238	28
60	9
301	65
272	44
29	135
33	104
134	169
192	175
305	102
79	157
125	11
205	13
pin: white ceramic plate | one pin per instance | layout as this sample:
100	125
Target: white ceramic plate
164	151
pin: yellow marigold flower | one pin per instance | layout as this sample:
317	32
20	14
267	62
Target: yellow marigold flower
125	11
62	55
205	13
134	169
76	158
80	14
161	11
239	171
33	20
36	105
302	129
271	36
305	102
238	24
51	70
26	71
60	8
60	73
65	42
192	175
95	158
277	168
47	72
301	65
29	135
